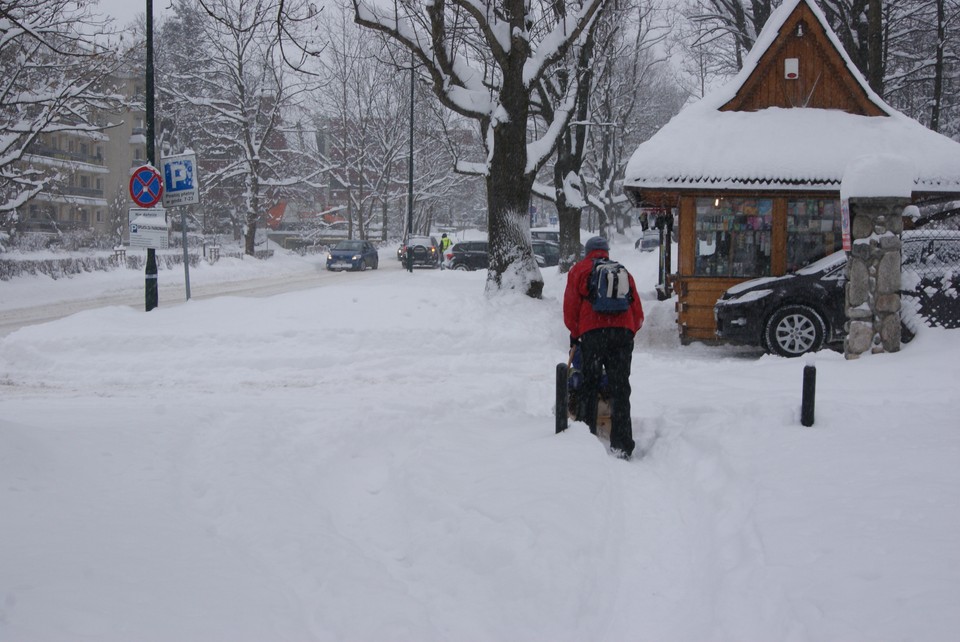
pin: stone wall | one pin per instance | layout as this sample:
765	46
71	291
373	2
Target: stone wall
873	279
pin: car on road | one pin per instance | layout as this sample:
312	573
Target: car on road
788	315
425	250
353	255
467	255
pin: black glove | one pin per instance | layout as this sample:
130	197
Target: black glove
574	341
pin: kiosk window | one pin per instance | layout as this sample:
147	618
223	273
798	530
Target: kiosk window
813	231
733	236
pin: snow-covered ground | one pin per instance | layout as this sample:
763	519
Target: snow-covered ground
374	458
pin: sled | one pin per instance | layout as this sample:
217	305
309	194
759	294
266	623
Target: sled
567	405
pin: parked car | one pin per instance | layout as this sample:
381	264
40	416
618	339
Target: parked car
425	249
788	315
545	234
353	255
467	255
546	252
931	275
649	242
472	255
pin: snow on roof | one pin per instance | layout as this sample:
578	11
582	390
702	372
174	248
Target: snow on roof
780	148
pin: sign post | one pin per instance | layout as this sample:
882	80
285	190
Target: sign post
180	187
146	190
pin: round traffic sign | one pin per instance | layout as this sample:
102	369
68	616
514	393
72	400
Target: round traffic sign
146	186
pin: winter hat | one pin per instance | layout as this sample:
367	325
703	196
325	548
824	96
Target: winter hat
597	243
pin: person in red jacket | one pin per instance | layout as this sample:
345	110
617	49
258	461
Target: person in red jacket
606	343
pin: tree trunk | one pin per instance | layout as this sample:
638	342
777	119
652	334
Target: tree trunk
938	69
569	236
509	185
875	46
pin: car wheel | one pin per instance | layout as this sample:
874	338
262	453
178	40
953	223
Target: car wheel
362	266
795	330
461	266
376	264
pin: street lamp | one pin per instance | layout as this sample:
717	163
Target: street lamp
151	289
410	161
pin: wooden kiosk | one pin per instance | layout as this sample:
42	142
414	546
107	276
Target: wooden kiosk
753	170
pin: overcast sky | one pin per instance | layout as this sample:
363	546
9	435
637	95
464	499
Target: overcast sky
124	11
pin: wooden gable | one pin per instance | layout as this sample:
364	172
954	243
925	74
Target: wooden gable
822	81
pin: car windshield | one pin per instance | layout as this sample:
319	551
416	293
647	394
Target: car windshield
827	262
349	246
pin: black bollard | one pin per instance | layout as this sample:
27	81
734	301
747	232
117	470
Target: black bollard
809	395
408	255
561	402
151	292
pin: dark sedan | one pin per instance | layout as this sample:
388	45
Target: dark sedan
353	255
788	315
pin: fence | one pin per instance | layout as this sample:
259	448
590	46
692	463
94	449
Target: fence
930	273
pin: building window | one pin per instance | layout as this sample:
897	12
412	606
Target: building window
733	237
137	154
813	231
99	216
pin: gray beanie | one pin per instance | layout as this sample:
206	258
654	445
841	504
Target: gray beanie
597	243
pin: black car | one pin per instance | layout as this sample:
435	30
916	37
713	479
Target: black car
547	253
472	255
467	255
425	250
788	315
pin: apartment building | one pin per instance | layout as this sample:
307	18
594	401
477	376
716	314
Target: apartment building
92	169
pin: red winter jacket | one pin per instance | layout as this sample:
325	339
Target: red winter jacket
578	314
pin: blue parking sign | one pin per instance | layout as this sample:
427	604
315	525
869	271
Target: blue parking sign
180	180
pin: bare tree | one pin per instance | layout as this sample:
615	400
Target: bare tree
485	60
247	95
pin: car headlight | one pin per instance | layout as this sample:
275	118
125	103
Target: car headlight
329	257
355	257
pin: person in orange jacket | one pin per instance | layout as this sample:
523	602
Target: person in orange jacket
606	343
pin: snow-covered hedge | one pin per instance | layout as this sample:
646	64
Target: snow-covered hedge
56	267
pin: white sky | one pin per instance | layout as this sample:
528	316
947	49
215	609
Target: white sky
124	11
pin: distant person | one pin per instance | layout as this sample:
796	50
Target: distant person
602	310
444	244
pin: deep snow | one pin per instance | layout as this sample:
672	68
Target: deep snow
374	459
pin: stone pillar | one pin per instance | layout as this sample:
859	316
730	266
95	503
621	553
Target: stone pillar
873	279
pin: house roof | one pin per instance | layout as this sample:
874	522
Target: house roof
710	145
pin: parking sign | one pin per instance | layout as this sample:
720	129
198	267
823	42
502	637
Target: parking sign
180	180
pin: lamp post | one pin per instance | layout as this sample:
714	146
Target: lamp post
151	290
410	161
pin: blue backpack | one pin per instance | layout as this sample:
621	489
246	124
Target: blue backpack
609	287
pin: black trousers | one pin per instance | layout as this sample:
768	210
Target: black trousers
610	350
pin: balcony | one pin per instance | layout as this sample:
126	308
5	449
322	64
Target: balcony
60	154
90	192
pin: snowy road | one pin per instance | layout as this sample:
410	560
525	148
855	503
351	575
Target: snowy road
126	288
